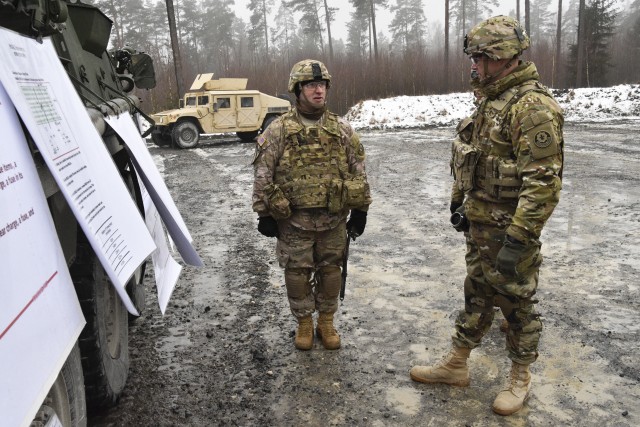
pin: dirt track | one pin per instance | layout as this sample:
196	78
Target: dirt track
223	353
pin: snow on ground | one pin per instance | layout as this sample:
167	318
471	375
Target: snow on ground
402	112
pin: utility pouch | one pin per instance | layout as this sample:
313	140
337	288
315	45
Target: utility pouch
354	192
501	178
463	163
335	196
279	206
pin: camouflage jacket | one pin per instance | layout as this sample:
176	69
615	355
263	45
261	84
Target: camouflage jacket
508	157
280	143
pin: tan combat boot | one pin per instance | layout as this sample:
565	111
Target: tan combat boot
512	398
326	331
304	334
452	370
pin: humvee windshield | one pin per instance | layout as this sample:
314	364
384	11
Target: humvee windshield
203	100
191	101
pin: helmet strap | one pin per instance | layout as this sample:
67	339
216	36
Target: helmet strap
490	78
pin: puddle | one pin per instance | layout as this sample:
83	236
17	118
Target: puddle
404	400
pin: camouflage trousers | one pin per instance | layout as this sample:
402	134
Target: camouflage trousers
312	263
485	288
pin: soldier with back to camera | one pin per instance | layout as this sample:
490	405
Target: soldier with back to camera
507	164
309	176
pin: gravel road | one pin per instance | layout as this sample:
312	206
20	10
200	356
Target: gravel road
223	354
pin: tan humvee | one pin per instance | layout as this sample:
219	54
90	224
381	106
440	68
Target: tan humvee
217	106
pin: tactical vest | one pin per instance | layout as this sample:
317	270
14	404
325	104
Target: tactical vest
313	165
482	155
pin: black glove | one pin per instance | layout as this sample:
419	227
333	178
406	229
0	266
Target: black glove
357	222
509	256
267	226
459	219
454	206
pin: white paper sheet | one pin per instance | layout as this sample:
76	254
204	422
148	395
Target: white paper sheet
165	268
40	317
76	156
146	168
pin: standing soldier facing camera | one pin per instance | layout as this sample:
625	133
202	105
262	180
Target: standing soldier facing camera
507	164
309	176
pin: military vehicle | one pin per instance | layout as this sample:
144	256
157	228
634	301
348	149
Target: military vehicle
95	373
217	106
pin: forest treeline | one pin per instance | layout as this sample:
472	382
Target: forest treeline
575	43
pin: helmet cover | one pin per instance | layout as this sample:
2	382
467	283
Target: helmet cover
306	71
499	37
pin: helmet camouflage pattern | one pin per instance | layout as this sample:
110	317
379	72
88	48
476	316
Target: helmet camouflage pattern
307	70
500	37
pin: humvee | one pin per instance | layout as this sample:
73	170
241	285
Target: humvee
217	106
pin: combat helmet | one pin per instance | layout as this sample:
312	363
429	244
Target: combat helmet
307	70
500	37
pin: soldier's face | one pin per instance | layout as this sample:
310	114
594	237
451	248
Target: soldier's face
314	93
487	67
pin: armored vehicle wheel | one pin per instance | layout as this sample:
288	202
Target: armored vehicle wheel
104	341
160	140
66	398
186	135
247	136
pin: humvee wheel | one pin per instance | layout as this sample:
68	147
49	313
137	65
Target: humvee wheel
186	135
267	122
247	136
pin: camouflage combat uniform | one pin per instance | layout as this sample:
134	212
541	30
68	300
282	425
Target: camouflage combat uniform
507	163
308	176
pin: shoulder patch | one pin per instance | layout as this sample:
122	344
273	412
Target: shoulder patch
539	130
263	141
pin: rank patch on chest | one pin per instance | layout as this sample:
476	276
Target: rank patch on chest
542	139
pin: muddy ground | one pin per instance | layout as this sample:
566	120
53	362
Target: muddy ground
223	354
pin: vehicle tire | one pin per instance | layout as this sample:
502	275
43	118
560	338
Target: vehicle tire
104	341
247	136
267	122
160	140
186	134
66	398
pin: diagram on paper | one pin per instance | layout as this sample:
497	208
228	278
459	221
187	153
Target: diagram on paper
49	119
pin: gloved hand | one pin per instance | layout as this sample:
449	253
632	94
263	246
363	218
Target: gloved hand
357	222
454	206
509	256
267	226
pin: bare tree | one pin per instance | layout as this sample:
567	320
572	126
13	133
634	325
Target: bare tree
527	17
556	63
580	43
177	61
259	20
446	45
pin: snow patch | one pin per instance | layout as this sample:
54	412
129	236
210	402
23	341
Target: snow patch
406	112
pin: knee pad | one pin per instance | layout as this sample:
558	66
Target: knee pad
297	282
329	280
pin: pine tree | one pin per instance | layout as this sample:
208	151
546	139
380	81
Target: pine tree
408	27
599	23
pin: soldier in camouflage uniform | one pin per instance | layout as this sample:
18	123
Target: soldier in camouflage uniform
507	163
309	176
